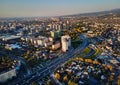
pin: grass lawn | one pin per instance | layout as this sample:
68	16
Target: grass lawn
86	51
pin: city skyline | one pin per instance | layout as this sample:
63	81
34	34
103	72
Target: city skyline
56	42
34	8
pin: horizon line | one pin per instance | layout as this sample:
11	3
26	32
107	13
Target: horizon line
58	15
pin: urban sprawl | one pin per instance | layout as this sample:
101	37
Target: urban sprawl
65	50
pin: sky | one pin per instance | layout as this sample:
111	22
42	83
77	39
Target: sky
31	8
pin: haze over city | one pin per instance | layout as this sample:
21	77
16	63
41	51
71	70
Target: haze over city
59	42
30	8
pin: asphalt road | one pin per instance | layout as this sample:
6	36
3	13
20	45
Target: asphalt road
50	67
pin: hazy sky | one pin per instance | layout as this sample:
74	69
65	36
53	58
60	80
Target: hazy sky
20	8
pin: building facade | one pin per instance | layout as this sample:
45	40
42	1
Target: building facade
66	42
7	75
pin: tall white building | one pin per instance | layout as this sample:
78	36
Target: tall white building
66	42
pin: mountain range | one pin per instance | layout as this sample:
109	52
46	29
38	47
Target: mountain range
114	11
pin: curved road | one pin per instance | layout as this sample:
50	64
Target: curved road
49	68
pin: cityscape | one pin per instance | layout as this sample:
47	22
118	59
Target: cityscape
65	47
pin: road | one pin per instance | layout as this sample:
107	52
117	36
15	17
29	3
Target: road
49	68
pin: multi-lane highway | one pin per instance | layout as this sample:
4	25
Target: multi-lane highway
51	66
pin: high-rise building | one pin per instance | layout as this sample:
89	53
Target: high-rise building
66	42
59	33
55	34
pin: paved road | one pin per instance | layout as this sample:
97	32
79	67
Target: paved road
49	68
61	60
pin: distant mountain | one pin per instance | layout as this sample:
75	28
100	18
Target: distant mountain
114	11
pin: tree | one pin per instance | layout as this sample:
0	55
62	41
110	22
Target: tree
57	76
71	83
65	78
48	83
118	80
3	59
